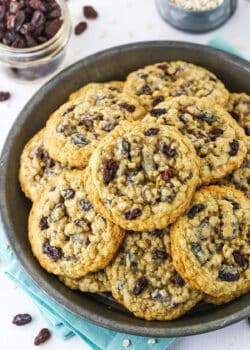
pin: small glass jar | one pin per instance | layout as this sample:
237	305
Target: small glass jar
38	61
194	21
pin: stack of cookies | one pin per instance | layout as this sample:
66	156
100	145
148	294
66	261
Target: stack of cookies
141	188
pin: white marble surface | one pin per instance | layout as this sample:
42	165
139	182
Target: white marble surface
120	21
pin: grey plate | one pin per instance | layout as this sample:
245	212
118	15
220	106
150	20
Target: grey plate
111	64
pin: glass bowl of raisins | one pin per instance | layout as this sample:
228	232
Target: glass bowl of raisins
33	36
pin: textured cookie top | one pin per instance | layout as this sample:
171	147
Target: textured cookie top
143	278
109	86
75	129
142	175
239	108
67	236
219	141
37	167
211	242
152	84
93	282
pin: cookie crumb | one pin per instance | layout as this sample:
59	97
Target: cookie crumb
126	343
152	341
6	245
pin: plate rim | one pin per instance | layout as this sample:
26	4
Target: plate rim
101	320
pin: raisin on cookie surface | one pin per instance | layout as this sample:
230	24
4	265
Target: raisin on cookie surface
143	278
219	141
239	108
142	176
37	168
111	86
93	282
75	129
67	236
211	242
152	84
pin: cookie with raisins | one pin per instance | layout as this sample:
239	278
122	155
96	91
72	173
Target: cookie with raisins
239	108
37	168
67	236
211	242
74	130
143	278
86	89
220	142
153	84
93	282
142	176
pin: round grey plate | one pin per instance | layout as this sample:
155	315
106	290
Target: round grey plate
112	64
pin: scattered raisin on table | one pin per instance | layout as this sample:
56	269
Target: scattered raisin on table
4	96
80	28
42	336
21	319
89	12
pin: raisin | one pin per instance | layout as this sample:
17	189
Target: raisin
19	20
42	336
167	175
151	132
235	116
4	96
80	28
179	280
141	283
234	148
52	252
168	151
21	319
37	5
52	27
110	168
68	110
157	100
248	237
229	274
30	41
124	105
207	117
85	204
162	66
89	12
248	180
218	247
109	126
79	139
240	259
157	112
145	90
55	14
215	132
202	255
124	146
234	204
69	193
132	214
44	223
194	210
38	19
247	130
159	254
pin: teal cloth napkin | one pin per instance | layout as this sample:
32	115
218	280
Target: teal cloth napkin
62	322
65	324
